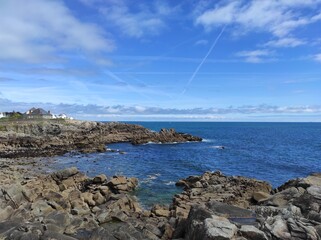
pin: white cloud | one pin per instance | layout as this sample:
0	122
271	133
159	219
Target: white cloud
285	42
147	20
39	30
255	56
279	17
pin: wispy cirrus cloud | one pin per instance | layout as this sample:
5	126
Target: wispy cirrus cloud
134	20
285	42
40	30
255	56
279	18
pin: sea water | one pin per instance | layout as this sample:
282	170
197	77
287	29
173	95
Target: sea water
274	152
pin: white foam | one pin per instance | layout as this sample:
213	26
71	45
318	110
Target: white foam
218	147
170	183
208	140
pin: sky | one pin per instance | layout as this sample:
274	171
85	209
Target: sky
163	60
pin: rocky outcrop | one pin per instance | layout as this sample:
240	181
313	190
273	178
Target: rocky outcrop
51	137
69	205
214	206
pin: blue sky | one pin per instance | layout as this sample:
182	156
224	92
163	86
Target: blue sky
222	60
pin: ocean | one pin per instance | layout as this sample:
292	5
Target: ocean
274	152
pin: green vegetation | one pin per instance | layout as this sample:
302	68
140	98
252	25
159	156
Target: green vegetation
3	128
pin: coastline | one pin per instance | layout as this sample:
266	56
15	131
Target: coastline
41	138
67	204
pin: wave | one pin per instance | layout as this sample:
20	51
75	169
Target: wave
218	147
170	183
208	140
150	178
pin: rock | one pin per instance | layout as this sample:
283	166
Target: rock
153	229
260	196
41	208
119	215
98	198
233	213
88	198
6	213
160	211
219	228
101	234
99	179
58	198
64	174
56	236
279	229
79	208
29	194
251	232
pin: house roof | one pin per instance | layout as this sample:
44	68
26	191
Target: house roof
37	111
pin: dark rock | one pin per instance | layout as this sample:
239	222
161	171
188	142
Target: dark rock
65	173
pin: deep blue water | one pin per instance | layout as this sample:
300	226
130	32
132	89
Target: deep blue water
275	152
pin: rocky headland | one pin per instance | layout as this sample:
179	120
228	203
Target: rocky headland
35	138
69	205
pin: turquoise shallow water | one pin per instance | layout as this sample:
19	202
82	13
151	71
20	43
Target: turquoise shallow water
275	152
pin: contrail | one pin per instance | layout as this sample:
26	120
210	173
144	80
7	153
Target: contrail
204	59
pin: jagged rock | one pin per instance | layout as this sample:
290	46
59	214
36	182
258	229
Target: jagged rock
41	208
88	198
160	211
99	179
49	137
280	229
98	198
6	213
260	196
251	232
283	198
219	228
65	173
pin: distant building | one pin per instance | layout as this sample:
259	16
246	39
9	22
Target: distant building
3	114
38	113
12	114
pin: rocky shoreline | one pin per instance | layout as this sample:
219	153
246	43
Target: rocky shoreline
40	138
69	205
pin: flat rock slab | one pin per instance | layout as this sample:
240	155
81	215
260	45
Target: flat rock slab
235	214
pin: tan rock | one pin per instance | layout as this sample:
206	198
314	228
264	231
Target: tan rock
6	213
100	179
260	196
98	198
88	198
41	208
